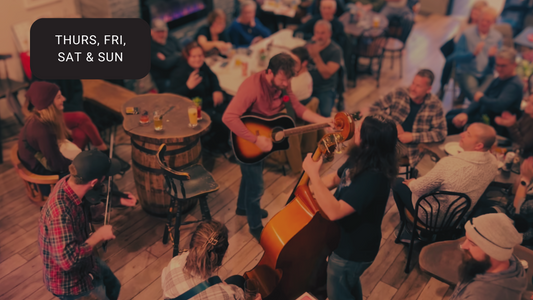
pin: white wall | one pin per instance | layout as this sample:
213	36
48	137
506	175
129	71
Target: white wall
15	11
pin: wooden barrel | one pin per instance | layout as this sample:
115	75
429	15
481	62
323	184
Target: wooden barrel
149	177
183	147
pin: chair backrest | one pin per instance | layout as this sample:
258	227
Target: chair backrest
399	28
167	171
441	211
370	43
31	180
507	33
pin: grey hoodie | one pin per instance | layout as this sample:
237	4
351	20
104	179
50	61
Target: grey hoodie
506	285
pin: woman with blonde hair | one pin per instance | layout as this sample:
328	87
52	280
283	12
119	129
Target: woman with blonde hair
199	265
43	145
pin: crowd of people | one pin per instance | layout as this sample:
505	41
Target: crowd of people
52	140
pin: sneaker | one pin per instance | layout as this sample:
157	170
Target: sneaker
242	212
256	233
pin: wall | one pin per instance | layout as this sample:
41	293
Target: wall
13	12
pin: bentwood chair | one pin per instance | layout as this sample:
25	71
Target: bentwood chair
397	34
370	44
32	181
194	182
433	221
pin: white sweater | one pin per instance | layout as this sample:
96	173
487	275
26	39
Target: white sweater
469	172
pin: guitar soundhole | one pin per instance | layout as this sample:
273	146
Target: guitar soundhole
277	135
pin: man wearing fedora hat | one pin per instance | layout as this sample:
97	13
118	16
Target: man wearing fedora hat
66	242
489	269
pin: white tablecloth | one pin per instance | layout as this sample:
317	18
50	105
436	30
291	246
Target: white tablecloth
231	76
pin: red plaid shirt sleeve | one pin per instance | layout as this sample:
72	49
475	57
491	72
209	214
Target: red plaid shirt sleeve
66	249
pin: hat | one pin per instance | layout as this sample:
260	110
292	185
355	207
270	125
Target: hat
495	234
42	94
94	164
159	25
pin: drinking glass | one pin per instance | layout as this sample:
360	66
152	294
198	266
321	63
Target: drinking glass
193	116
158	121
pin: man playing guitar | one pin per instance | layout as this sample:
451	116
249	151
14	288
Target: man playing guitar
261	94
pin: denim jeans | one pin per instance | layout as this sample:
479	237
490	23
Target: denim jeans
250	192
106	285
470	84
327	99
343	278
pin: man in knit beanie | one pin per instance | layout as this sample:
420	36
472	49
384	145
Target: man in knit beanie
489	269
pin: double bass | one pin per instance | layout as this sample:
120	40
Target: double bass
297	240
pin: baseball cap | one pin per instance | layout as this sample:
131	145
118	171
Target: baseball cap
159	25
94	164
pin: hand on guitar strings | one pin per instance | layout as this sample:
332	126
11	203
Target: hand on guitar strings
311	167
264	143
130	201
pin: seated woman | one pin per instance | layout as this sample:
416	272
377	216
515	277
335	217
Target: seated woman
247	30
193	78
213	38
208	246
43	145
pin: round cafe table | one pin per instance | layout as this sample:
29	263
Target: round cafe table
183	146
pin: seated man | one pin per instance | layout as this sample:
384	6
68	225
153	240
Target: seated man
503	94
417	112
338	11
397	8
327	13
469	172
166	52
247	30
326	58
302	82
489	269
474	54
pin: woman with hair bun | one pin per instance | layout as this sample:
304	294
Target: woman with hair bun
200	264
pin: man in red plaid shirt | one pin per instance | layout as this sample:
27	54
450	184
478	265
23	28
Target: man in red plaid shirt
70	270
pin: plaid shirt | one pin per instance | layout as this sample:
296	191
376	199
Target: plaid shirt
174	283
63	230
429	125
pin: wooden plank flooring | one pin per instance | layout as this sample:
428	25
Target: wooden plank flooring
138	255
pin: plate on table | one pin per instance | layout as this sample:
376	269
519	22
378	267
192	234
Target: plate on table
453	148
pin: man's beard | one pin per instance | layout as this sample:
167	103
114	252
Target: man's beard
276	86
470	267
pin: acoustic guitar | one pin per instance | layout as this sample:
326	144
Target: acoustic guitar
277	128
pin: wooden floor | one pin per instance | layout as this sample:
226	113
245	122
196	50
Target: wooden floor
138	256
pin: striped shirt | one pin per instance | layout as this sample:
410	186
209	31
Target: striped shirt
63	230
429	125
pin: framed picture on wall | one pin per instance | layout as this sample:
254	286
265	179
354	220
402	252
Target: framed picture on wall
35	3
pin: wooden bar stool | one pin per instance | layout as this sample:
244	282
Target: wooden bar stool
195	182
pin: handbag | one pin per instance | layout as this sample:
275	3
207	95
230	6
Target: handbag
199	288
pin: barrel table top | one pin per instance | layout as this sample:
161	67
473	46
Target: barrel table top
175	122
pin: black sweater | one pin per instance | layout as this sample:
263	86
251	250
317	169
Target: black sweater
204	90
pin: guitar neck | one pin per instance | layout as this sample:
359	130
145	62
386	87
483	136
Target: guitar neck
304	129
